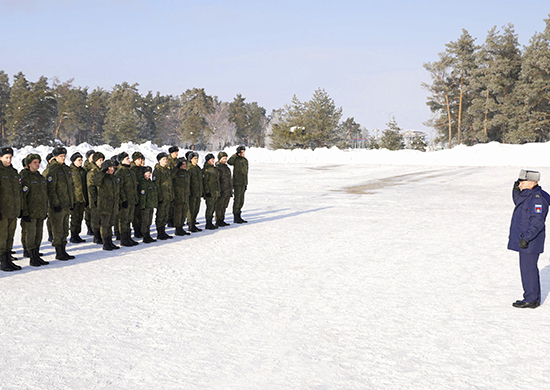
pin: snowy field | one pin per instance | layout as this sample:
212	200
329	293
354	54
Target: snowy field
357	270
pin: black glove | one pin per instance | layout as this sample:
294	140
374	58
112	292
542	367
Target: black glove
57	209
27	218
124	204
523	244
516	185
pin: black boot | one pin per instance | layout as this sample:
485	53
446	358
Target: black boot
4	264
60	253
237	218
75	238
181	232
108	243
161	233
26	253
222	223
210	225
117	235
137	232
40	260
65	251
170	222
11	263
34	262
90	232
97	237
125	239
147	239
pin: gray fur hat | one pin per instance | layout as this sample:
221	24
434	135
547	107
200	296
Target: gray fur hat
529	175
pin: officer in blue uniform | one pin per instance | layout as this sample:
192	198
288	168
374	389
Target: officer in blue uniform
527	233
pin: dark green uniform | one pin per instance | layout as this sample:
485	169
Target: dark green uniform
226	191
92	197
136	222
128	197
211	188
240	181
87	211
163	179
81	198
10	206
61	200
108	190
180	181
34	206
195	193
148	201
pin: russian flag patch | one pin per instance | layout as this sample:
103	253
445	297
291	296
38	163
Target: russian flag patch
538	209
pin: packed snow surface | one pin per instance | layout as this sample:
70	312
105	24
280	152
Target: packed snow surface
357	270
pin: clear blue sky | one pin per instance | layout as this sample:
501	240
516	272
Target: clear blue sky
367	55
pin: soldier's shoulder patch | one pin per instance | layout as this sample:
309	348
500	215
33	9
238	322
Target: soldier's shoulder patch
154	178
142	192
25	188
118	179
50	179
538	209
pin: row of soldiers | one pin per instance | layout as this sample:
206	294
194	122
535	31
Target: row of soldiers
117	193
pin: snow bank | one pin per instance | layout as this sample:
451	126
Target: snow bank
492	154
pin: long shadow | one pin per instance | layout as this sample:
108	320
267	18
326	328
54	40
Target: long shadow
252	219
544	283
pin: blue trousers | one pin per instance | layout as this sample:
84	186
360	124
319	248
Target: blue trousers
530	276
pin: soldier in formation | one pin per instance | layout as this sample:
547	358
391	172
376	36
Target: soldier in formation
112	193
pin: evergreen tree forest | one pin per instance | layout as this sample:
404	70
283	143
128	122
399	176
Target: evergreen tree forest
494	91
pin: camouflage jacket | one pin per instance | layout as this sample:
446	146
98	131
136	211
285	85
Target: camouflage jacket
162	176
240	170
226	185
195	181
60	186
80	185
180	183
211	181
35	194
148	194
10	192
128	184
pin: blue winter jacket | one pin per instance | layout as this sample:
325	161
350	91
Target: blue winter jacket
528	219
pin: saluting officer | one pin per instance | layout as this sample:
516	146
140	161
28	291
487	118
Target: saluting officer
34	207
528	232
240	182
61	200
180	181
10	208
211	188
226	189
80	195
163	179
128	199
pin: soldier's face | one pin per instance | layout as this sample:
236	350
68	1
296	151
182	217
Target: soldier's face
183	166
224	160
6	159
195	160
147	175
241	153
140	162
174	154
91	158
99	162
126	161
211	161
61	158
111	170
34	165
78	162
163	161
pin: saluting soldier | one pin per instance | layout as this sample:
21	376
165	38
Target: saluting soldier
148	201
226	189
180	181
98	159
34	207
10	208
138	162
195	191
107	202
128	199
211	188
163	179
80	195
61	201
240	182
88	165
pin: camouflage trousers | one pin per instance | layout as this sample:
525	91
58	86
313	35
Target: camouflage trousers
7	232
32	234
77	215
59	223
221	206
194	207
146	216
162	214
180	213
210	207
125	217
238	201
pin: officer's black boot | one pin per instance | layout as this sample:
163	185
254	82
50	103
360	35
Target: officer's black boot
179	231
108	243
40	260
130	238
64	246
97	237
125	239
137	232
170	222
11	263
4	265
75	238
117	235
90	231
210	225
161	234
240	219
60	253
147	239
34	262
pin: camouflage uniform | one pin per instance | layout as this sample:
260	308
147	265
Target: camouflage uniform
240	182
10	206
108	190
211	188
128	201
87	211
195	193
136	222
61	200
81	199
34	205
148	201
180	181
226	192
163	179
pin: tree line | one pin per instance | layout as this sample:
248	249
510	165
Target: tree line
495	91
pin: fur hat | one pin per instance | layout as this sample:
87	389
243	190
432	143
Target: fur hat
49	156
97	156
122	156
58	150
173	149
208	157
89	153
529	175
221	155
240	149
6	150
75	156
30	158
146	169
179	162
161	155
137	156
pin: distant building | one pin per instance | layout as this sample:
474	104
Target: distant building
410	135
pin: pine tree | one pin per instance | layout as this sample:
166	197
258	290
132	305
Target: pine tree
196	105
4	102
250	121
96	106
392	139
348	130
73	120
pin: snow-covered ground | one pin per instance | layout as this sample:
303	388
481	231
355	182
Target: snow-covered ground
357	270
